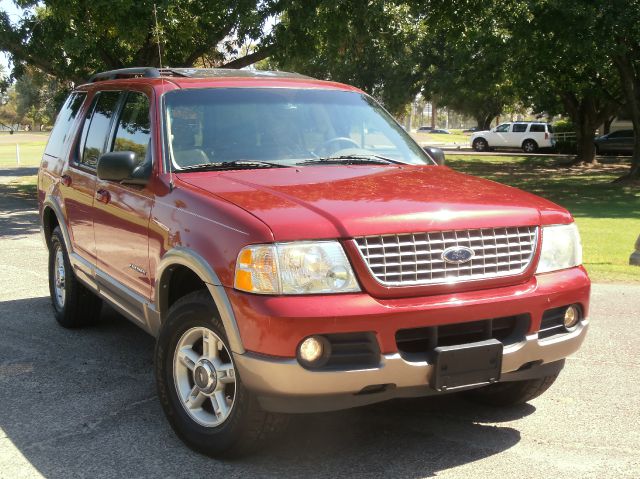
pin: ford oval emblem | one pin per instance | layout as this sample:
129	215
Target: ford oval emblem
457	254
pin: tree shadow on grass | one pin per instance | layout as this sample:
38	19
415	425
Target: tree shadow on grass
586	192
83	403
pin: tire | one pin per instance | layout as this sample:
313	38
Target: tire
206	428
74	304
529	146
480	144
511	393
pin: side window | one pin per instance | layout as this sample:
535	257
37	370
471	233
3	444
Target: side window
504	128
519	127
134	131
537	128
62	129
97	126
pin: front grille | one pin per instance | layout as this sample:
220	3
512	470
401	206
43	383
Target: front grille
417	258
417	343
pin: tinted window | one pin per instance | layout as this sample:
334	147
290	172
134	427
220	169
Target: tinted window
503	128
99	125
537	128
62	129
519	128
133	132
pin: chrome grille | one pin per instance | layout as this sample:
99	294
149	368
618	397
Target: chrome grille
417	258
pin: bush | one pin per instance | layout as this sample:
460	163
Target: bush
564	126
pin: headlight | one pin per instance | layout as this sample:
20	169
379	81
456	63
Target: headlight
295	268
561	248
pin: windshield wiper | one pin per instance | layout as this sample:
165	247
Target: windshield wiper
354	159
232	165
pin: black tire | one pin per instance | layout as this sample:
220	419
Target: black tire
79	306
480	144
529	146
247	424
511	393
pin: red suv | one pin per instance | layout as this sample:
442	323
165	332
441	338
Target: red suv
292	249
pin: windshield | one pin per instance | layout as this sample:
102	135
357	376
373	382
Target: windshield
281	125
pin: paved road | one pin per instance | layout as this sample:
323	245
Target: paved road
83	403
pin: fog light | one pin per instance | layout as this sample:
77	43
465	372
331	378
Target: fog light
571	317
311	349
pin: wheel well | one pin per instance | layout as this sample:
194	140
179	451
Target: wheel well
531	140
49	223
180	282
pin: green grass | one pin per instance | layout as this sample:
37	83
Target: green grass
607	214
25	187
456	137
30	155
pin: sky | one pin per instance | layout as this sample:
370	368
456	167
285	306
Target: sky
14	14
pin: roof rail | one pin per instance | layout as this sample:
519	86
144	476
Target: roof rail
152	72
146	72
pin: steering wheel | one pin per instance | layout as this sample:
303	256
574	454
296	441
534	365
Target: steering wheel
324	147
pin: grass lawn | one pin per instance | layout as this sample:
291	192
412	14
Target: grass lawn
31	148
607	214
456	137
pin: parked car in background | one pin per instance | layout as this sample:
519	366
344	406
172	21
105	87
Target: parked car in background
620	141
440	131
529	136
473	129
424	129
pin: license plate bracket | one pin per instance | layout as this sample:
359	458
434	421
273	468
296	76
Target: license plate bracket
464	365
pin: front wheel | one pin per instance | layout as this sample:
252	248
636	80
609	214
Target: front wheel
511	393
199	386
480	144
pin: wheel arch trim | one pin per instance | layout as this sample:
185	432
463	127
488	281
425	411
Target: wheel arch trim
181	256
51	203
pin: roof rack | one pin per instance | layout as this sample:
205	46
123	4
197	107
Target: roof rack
152	72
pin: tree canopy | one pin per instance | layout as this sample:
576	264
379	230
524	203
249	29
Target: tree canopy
73	39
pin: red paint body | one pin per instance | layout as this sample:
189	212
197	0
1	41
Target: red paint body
218	213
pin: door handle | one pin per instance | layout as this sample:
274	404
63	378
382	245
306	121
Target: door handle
103	196
65	180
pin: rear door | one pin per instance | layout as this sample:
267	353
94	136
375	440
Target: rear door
80	173
538	132
122	211
518	134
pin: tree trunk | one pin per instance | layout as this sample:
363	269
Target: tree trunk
606	126
630	80
433	114
584	142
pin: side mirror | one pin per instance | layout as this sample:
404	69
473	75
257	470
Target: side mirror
120	166
436	154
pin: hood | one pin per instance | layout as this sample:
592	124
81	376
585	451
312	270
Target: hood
480	133
339	201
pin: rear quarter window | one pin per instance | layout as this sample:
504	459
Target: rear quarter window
64	123
537	128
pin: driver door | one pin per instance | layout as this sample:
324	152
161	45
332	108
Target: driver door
122	211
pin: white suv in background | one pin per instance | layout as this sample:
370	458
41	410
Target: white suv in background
530	136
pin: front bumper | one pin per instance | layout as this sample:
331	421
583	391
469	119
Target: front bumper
285	386
272	327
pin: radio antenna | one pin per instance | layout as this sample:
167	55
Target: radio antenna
170	165
155	17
